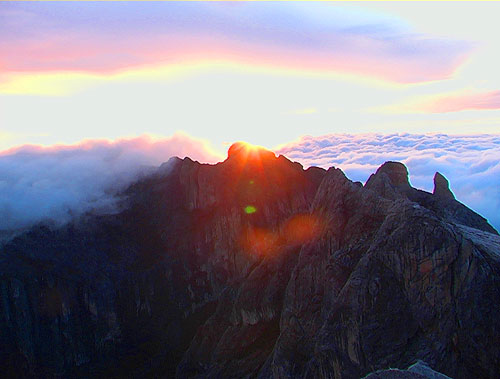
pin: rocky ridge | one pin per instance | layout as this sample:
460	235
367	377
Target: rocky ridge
419	370
255	267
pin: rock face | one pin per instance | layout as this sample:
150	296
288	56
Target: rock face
256	267
419	370
442	187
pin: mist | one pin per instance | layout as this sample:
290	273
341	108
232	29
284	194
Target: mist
58	183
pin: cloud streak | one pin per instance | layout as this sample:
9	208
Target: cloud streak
470	162
462	102
104	38
60	182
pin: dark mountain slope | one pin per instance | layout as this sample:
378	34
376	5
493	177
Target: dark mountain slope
256	267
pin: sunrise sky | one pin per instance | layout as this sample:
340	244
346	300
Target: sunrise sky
421	80
262	72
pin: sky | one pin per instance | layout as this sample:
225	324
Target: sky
418	79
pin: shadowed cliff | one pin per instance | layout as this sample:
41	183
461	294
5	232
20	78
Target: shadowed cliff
256	267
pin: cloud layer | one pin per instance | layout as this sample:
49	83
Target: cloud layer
470	162
59	182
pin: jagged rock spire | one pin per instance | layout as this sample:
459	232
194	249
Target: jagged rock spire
442	187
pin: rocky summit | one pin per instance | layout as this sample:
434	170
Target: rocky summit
255	267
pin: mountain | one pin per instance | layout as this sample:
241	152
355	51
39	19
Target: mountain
255	267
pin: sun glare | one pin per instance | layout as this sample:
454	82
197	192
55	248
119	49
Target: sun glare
244	148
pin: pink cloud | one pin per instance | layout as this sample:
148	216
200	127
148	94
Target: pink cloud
456	103
105	57
277	35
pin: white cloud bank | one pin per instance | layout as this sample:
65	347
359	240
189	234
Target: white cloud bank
58	182
470	162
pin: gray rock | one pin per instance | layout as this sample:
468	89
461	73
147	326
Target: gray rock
442	187
419	370
422	368
256	267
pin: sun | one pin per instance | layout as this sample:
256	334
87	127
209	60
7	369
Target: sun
249	158
245	152
244	148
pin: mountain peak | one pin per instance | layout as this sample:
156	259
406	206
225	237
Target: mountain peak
396	171
442	187
390	180
244	150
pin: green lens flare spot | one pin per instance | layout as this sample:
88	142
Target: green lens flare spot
251	182
249	209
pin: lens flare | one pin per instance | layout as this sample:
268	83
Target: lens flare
302	228
297	230
249	209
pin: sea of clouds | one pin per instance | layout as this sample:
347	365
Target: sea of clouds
60	182
470	162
